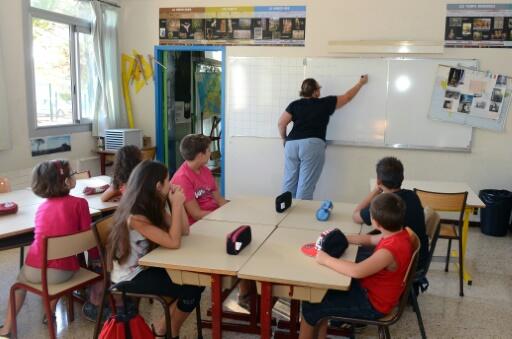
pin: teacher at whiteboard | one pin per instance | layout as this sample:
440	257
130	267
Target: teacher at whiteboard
304	146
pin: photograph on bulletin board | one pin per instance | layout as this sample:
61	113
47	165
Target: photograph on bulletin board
467	96
479	25
259	25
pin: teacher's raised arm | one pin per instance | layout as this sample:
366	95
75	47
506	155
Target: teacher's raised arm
304	148
351	93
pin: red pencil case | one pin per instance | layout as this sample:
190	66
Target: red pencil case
237	240
95	190
8	208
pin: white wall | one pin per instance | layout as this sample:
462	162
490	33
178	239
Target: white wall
18	157
254	165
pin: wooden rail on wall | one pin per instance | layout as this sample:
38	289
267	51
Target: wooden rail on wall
385	46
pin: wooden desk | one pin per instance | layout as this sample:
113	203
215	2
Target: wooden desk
472	204
23	197
104	153
282	270
303	216
202	260
95	199
249	210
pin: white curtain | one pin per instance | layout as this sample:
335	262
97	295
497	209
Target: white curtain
5	139
109	109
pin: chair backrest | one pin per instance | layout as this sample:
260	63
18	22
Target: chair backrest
82	175
409	275
68	245
432	220
101	230
148	153
444	202
5	186
433	226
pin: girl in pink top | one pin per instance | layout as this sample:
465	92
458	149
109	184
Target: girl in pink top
126	159
60	214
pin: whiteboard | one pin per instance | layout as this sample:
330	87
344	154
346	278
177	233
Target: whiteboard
259	90
411	82
363	120
381	115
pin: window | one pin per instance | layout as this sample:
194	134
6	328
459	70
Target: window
60	66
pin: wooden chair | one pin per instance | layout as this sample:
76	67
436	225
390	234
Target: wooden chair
82	175
148	153
448	202
384	323
101	230
57	248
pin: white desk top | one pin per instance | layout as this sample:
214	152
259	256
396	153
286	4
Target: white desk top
280	260
303	216
24	221
23	197
249	210
441	186
95	199
204	250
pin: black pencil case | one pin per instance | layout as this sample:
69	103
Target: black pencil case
237	240
283	201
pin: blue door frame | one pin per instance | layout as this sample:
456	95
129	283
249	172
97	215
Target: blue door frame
159	114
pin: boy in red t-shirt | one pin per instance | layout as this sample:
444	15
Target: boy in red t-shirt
378	282
201	193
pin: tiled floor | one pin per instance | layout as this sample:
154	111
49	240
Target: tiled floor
484	312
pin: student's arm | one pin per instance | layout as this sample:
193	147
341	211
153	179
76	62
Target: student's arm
169	239
184	217
193	209
376	262
110	193
284	120
219	198
356	216
351	93
185	226
364	239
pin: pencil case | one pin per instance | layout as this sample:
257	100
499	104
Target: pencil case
283	202
237	240
8	208
95	190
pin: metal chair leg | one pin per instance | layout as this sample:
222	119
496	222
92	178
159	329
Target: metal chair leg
448	255
461	269
416	308
199	322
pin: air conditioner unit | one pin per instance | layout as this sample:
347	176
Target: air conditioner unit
117	138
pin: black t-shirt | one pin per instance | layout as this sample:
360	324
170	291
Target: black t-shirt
414	218
310	117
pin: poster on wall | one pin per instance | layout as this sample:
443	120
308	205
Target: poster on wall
48	145
478	25
471	97
258	25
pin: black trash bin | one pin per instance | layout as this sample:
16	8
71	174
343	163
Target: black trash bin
494	218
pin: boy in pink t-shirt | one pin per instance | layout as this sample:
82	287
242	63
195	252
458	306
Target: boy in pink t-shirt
201	193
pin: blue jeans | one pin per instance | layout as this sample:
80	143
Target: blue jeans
352	303
303	163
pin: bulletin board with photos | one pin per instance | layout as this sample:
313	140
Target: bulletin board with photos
471	97
248	25
479	25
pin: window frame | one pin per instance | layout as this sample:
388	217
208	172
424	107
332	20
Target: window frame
77	25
